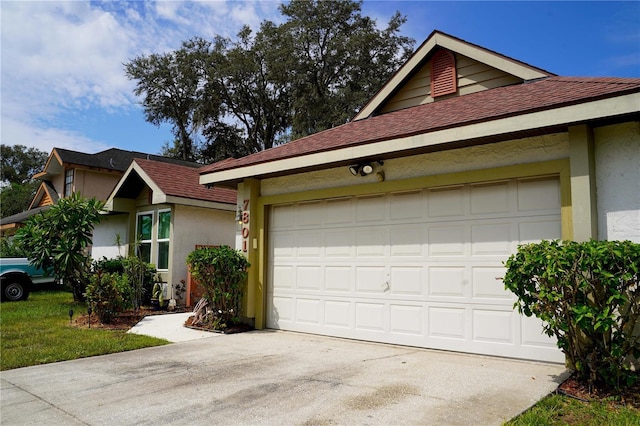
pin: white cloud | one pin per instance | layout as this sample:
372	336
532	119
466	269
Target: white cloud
61	56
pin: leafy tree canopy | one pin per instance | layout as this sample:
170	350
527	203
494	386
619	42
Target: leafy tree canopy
18	164
234	97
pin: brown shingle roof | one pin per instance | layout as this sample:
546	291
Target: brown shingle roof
487	105
183	181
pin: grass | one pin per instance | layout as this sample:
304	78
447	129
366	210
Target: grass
37	331
564	410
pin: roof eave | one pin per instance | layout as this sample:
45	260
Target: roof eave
469	134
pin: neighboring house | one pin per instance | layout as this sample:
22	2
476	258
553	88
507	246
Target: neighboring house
67	171
163	210
394	227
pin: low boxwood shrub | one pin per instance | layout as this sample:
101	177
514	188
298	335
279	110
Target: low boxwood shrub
588	296
221	271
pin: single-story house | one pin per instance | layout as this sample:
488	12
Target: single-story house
394	227
163	210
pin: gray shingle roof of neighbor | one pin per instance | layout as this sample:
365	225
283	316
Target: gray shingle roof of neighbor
114	158
22	216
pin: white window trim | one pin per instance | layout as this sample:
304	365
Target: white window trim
162	240
153	227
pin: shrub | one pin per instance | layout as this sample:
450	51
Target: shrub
221	271
588	295
59	238
107	294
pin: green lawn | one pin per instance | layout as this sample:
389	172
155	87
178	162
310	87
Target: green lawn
37	331
564	410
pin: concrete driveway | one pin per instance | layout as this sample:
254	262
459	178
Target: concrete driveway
275	378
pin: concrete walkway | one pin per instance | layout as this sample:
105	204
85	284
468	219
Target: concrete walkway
274	378
170	327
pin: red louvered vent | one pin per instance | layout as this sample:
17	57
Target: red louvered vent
444	79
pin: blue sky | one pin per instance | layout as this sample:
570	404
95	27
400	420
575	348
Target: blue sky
63	84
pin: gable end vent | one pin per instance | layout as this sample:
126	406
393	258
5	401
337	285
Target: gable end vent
444	79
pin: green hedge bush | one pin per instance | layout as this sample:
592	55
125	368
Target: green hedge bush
221	271
588	296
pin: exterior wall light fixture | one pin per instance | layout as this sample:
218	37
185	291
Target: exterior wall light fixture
363	169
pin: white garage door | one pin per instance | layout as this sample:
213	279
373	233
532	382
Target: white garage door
418	268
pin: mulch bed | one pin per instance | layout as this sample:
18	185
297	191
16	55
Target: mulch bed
126	320
628	397
123	321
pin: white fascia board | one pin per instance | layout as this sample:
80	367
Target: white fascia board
158	195
626	104
171	199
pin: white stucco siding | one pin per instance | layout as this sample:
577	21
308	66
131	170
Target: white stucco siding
617	153
529	150
105	240
194	225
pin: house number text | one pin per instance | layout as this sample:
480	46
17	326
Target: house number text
245	225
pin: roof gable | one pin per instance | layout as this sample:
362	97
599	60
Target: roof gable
169	183
477	69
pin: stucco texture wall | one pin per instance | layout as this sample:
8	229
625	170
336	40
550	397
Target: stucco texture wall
617	153
104	237
194	225
528	150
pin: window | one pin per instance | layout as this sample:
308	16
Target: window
164	226
153	233
144	234
68	182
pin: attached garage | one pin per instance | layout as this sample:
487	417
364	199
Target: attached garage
419	268
394	226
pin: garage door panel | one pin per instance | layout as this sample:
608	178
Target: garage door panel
340	244
448	240
407	241
488	284
406	319
282	217
283	277
283	246
449	322
371	242
447	202
371	209
309	278
281	311
309	214
493	198
338	278
339	212
419	268
538	195
491	239
543	229
407	206
338	313
371	279
309	311
494	326
448	281
370	316
407	280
